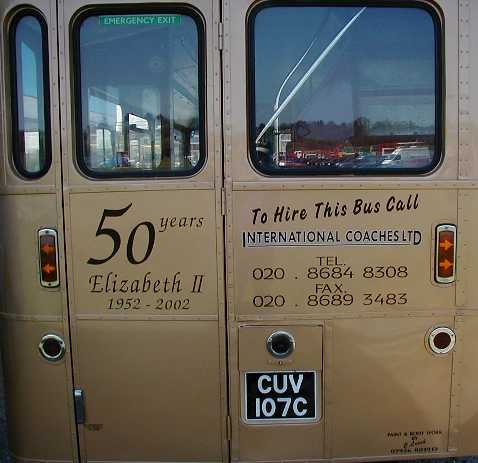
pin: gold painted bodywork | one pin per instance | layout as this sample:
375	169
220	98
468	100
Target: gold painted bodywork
166	384
153	373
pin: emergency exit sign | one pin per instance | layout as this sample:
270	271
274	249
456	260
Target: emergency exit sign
141	20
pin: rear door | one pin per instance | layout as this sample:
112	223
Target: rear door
142	182
340	181
33	310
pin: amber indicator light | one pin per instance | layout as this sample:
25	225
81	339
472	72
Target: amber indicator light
48	256
445	253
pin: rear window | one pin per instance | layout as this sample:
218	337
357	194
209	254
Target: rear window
344	89
140	109
30	94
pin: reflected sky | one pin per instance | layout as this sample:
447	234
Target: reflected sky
131	62
29	30
387	52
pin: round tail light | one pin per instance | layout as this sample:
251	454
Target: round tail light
52	347
442	340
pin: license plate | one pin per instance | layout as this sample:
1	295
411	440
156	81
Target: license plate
280	396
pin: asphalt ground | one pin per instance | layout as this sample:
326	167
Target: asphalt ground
3	435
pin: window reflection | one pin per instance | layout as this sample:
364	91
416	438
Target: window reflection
352	89
30	126
140	95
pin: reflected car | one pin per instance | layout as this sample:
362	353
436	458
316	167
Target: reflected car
360	161
413	156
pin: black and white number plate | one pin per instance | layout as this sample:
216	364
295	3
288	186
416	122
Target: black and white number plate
280	396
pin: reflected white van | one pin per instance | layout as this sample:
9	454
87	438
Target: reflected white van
412	156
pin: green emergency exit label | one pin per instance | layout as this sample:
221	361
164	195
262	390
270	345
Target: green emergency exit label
141	20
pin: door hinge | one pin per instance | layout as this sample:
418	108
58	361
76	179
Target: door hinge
223	201
229	428
220	36
79	398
